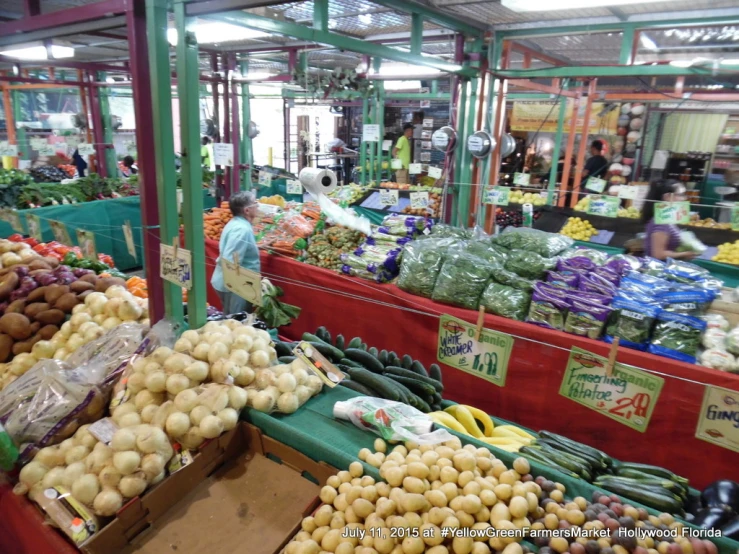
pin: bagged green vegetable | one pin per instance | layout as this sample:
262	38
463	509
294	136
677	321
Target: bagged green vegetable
508	278
462	280
442	230
677	336
506	301
422	261
598	257
533	240
631	322
484	250
528	264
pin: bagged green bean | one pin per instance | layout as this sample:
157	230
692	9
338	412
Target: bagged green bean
528	264
422	261
677	336
506	301
586	319
533	240
547	309
462	280
508	278
404	225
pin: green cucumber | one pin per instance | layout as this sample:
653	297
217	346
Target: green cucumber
362	346
333	354
339	342
364	358
413	399
286	359
565	461
376	382
577	446
435	372
596	463
323	334
373	351
356	342
537	456
417	367
653	470
383	357
648	497
406	361
282	349
667	484
413	375
350	363
310	337
417	387
358	387
436	398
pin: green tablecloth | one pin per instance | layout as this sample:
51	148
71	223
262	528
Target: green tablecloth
315	432
105	218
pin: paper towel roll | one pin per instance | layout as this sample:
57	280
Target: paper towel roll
317	181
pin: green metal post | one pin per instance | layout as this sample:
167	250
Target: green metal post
495	56
247	152
21	138
435	86
192	187
163	129
465	161
362	144
416	33
379	116
373	150
320	15
461	147
557	146
627	46
111	162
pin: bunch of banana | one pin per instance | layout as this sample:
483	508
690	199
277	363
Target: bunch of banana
476	423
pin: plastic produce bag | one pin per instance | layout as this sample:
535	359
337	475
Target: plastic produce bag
510	279
462	280
598	257
378	254
631	322
716	321
685	272
714	338
533	240
623	263
547	309
393	421
506	301
654	267
677	336
404	225
422	261
717	358
528	264
442	230
383	239
484	250
379	277
692	302
690	243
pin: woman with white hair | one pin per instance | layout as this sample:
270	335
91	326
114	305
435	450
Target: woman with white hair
237	238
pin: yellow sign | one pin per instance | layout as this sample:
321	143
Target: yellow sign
543	117
241	281
718	422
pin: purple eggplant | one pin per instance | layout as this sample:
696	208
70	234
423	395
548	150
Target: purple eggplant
731	529
721	493
712	518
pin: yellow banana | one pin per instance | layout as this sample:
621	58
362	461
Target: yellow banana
463	415
483	418
501	432
517	430
447	420
501	441
513	447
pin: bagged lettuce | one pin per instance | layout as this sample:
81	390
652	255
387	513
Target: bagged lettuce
462	280
533	240
529	265
677	336
422	261
631	322
506	301
442	230
505	277
484	250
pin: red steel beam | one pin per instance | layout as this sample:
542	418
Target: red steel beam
535	54
70	16
31	8
97	130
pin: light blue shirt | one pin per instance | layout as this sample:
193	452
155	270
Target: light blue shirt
237	238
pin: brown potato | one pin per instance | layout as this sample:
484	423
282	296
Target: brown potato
105	283
25	346
53	262
51	317
53	292
48	331
35	326
36	295
16	307
81	296
32	310
8	284
90	278
81	286
39	263
66	302
17	326
6	347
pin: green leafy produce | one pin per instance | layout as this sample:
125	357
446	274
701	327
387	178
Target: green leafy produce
462	280
583	324
545	314
532	240
528	264
631	322
485	250
12	182
273	312
677	336
422	261
506	301
505	277
442	230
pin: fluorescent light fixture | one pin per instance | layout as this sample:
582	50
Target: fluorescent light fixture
548	5
682	63
406	70
217	32
732	61
40	52
647	42
365	18
403	85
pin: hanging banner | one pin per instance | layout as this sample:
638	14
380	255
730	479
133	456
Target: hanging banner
388	197
34	227
498	196
223	153
718	422
543	117
242	282
672	213
86	242
60	232
12	217
486	358
628	396
419	200
176	266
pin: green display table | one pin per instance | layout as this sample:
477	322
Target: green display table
105	218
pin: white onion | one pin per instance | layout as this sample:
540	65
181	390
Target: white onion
177	424
107	502
126	462
176	383
229	417
132	485
32	473
86	488
186	400
123	439
211	427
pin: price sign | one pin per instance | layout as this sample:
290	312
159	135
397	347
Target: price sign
9	150
175	267
128	235
265	179
628	192
72	142
627	396
606	206
718	416
47	150
294	186
415	169
428	122
497	195
596	185
60	232
419	200
486	358
522	179
388	197
243	282
37	143
86	240
223	153
672	213
435	172
85	149
371	133
12	217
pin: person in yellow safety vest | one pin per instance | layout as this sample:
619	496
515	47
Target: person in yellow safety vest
205	153
402	151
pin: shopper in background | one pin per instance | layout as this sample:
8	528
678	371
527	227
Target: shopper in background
237	238
597	165
206	157
662	241
402	151
129	166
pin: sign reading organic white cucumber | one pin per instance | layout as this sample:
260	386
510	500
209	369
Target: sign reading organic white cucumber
718	422
486	358
627	396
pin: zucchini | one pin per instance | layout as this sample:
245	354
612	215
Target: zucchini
577	446
653	470
594	462
375	382
413	399
323	334
310	337
411	374
417	387
327	350
373	352
436	397
383	357
286	359
350	363
435	372
666	484
282	349
354	343
536	456
406	362
417	367
364	358
648	497
339	343
358	387
563	460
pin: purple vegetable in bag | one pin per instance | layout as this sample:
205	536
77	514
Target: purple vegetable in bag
608	274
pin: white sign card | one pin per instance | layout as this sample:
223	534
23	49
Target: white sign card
419	200
176	267
415	169
626	192
265	178
128	234
388	197
223	153
241	281
435	172
85	149
371	132
294	187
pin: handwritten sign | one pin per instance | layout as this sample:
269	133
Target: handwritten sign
419	200
672	213
128	235
628	396
294	186
34	227
47	150
243	282
522	179
176	267
497	195
37	143
59	229
605	206
12	217
596	185
486	358
628	192
9	150
388	197
265	179
415	169
717	422
435	172
85	149
86	240
371	133
72	141
223	153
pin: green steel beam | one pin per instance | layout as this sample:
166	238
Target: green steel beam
247	152
351	95
465	176
111	160
379	116
341	42
557	146
21	137
192	173
627	45
495	56
611	71
460	152
416	33
320	15
433	15
435	87
363	145
163	129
